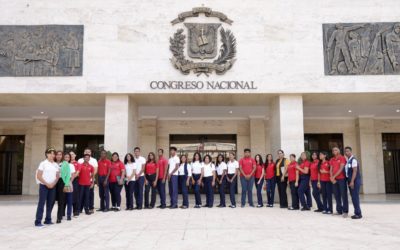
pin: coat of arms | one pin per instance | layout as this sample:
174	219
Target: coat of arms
202	44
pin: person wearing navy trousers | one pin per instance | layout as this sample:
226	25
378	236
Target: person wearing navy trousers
354	181
304	181
221	169
338	179
315	181
231	178
184	174
326	184
197	177
173	166
209	180
162	165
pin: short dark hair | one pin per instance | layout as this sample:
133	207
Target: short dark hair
349	148
136	148
87	149
162	150
246	150
173	148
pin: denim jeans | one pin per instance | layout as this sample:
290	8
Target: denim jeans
247	189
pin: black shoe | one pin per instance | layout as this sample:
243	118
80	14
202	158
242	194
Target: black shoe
159	206
305	209
105	210
184	207
88	213
318	210
258	206
173	207
283	206
69	218
139	208
163	207
210	206
197	206
58	221
356	217
146	207
99	210
219	205
206	205
48	223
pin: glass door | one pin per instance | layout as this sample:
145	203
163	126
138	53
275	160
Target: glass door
391	162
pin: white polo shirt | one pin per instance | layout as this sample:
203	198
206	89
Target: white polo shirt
208	169
232	166
172	164
50	170
181	169
196	167
139	162
221	167
129	167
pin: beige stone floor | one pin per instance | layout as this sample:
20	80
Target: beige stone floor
240	228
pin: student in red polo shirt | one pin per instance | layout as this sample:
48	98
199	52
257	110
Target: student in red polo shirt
162	165
151	174
270	179
259	180
247	168
86	181
326	184
338	179
304	182
315	181
116	181
104	169
293	182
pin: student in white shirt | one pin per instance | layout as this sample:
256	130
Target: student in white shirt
221	169
94	164
140	163
209	180
233	167
130	180
47	177
184	173
197	177
173	166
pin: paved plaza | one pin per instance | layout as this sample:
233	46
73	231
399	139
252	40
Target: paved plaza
240	228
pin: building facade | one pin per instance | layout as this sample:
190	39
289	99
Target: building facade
217	77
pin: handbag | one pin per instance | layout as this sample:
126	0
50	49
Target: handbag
68	189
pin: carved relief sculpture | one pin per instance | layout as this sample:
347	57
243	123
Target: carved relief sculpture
42	50
361	48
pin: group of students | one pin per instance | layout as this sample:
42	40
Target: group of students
71	183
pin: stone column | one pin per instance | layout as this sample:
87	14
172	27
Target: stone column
373	177
121	124
148	136
40	142
287	124
257	135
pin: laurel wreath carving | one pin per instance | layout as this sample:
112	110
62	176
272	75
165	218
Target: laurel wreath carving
220	65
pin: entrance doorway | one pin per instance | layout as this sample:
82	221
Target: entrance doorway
212	145
323	142
78	143
11	163
391	162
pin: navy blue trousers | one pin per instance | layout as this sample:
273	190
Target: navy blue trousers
185	192
232	189
208	188
139	184
340	191
129	189
46	196
115	190
326	190
259	190
173	190
196	188
304	191
150	181
317	195
295	195
271	191
161	192
221	190
355	197
104	193
84	194
247	188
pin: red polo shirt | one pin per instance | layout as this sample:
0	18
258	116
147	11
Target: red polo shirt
103	167
247	165
303	165
325	166
151	168
291	169
116	170
259	170
77	166
314	170
85	174
162	165
270	169
335	164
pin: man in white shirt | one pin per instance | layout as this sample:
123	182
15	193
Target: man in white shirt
352	169
47	177
140	163
94	163
173	166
